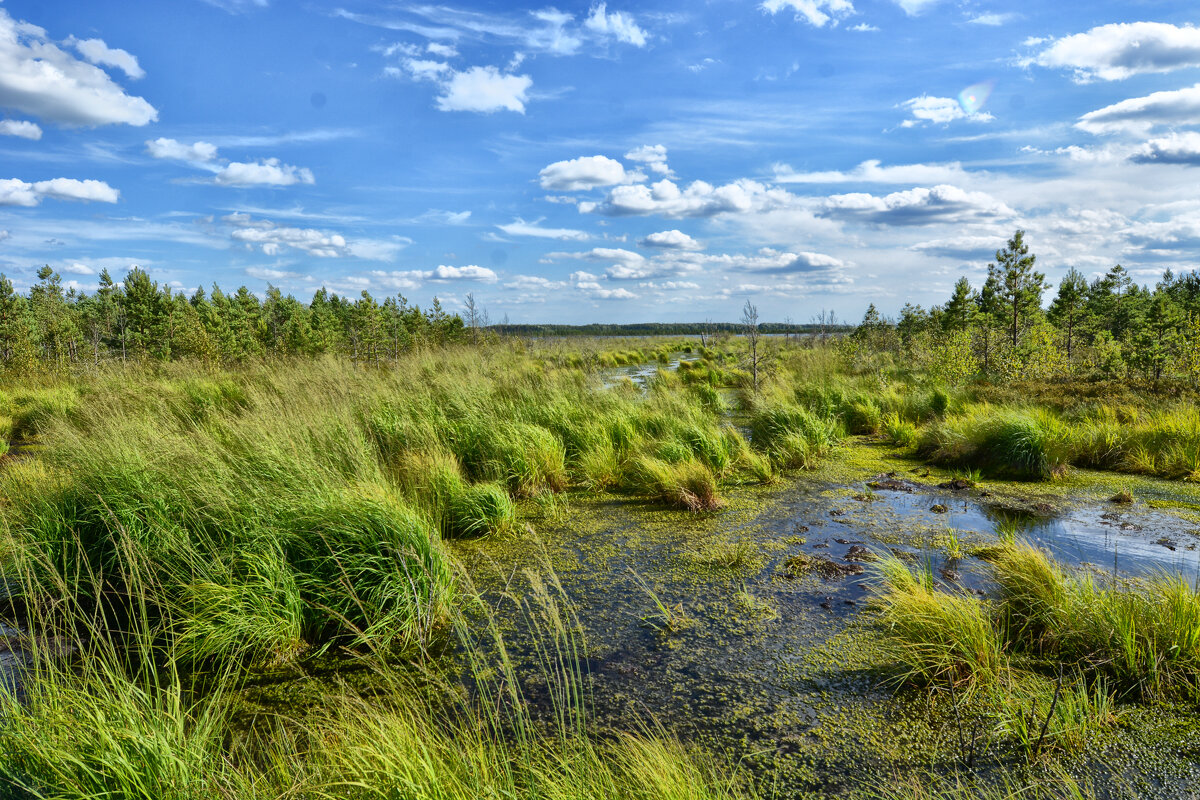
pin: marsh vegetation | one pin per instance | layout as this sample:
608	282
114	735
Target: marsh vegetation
384	553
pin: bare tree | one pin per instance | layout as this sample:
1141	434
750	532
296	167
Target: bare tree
473	316
826	321
752	333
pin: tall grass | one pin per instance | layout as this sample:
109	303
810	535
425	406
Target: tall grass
1141	636
939	638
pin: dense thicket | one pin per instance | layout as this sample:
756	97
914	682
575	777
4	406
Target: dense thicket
1108	329
140	319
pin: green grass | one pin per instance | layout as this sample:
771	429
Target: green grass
1141	636
937	638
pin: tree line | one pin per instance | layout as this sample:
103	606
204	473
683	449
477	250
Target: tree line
141	319
1108	328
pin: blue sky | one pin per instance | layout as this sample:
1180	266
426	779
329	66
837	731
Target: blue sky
590	162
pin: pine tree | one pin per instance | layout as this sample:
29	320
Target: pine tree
1068	306
960	311
1018	287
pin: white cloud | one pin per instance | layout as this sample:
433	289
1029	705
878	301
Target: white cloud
21	128
545	30
176	150
520	227
770	260
671	240
863	27
535	282
39	78
586	172
267	172
617	25
1175	148
993	19
271	239
919	206
467	273
1143	113
962	247
97	52
874	172
484	89
14	192
590	285
425	69
277	275
699	199
940	111
441	50
1117	51
815	12
237	6
915	7
653	156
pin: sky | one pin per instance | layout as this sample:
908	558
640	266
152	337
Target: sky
598	162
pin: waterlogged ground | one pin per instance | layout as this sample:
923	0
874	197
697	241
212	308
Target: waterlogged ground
701	623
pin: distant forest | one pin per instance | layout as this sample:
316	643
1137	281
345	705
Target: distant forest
666	329
138	319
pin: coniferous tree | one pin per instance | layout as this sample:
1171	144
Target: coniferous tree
1069	304
960	310
1018	287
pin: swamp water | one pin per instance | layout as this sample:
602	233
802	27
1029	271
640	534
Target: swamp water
780	671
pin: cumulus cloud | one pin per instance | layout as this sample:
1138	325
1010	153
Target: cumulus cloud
590	285
815	12
519	227
586	172
699	199
22	128
39	78
939	111
14	192
919	206
617	25
178	151
964	247
671	240
277	275
770	260
97	52
1144	113
266	172
467	273
1175	148
271	239
1180	233
653	156
484	89
534	282
1117	51
873	171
